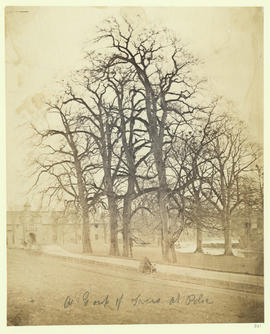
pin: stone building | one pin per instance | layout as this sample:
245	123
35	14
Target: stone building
28	227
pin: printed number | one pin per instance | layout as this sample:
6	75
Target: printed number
257	325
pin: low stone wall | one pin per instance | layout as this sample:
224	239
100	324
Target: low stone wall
234	264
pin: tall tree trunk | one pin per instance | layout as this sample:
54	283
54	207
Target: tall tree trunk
198	239
162	242
112	206
228	235
114	249
163	191
162	196
164	220
127	212
157	136
125	237
173	237
174	257
197	215
129	153
86	242
130	243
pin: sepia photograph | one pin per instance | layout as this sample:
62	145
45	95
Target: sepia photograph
134	165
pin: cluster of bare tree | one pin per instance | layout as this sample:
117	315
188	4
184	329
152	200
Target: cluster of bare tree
134	129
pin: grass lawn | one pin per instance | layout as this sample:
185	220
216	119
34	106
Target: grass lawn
43	290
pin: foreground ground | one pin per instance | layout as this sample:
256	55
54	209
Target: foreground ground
43	290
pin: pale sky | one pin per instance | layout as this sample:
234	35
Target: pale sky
44	43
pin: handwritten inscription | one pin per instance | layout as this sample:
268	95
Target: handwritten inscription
112	303
140	300
190	299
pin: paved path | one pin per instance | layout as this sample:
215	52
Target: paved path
167	269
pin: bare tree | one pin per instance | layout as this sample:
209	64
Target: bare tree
135	125
203	130
135	162
64	158
231	157
162	67
98	121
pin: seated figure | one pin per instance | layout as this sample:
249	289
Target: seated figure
146	267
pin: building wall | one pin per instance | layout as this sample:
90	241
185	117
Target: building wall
49	228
